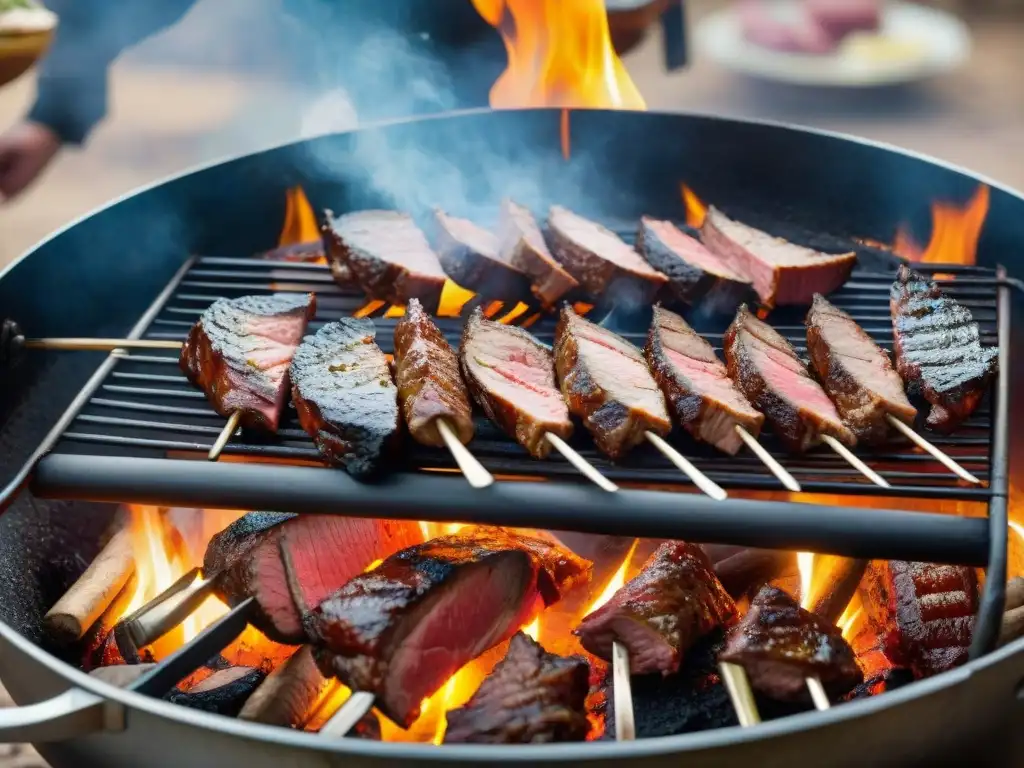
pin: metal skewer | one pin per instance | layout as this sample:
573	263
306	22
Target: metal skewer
818	695
702	481
856	463
167	611
625	725
100	345
742	695
474	471
225	435
769	461
584	466
921	442
351	712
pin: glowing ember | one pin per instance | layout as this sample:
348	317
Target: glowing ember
518	311
615	582
955	232
696	210
849	622
533	629
368	308
805	564
453	298
299	220
395	310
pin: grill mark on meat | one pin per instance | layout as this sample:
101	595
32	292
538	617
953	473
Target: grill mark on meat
472	257
522	245
239	352
344	396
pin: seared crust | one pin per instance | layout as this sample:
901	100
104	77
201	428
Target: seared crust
469	255
522	245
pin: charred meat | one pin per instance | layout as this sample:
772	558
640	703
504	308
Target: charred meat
780	645
938	350
696	384
675	600
606	382
512	376
239	352
471	256
521	244
303	253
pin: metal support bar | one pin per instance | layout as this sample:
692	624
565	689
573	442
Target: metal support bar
673	27
69	715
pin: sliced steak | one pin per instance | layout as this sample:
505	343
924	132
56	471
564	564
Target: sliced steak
696	384
855	372
280	559
780	645
387	254
659	614
783	273
600	261
938	350
471	256
522	245
512	376
773	378
531	697
606	382
343	393
401	630
924	612
239	352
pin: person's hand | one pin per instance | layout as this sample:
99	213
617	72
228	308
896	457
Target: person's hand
25	150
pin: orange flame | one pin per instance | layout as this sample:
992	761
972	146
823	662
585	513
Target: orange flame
453	298
805	565
615	582
956	230
696	210
299	220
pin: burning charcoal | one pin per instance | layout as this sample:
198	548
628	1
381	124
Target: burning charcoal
522	245
744	570
470	255
222	693
891	679
289	693
121	675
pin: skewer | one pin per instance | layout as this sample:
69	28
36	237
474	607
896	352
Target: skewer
742	695
100	345
225	434
351	712
702	481
856	463
946	461
474	471
769	461
584	466
818	695
158	617
625	725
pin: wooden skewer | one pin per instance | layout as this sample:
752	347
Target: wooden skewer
742	695
625	725
856	463
100	345
351	712
473	470
818	695
225	434
926	445
584	466
702	481
769	461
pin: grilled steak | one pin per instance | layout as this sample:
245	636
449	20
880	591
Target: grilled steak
531	697
404	628
522	245
694	273
855	372
782	272
387	254
696	384
512	377
925	613
283	559
600	261
606	383
660	613
938	349
343	393
774	379
470	255
429	383
239	352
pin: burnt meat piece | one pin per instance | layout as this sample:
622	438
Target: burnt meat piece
239	352
600	261
938	350
223	693
402	629
924	612
429	382
387	254
606	382
783	273
343	393
288	562
304	253
471	256
512	376
696	384
531	697
773	378
855	372
522	245
780	645
661	612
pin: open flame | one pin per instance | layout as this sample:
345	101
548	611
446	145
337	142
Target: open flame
696	210
615	582
805	564
955	232
299	220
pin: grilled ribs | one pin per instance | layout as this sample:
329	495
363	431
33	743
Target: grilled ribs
696	384
938	350
344	395
512	376
522	245
773	378
658	615
606	383
429	383
470	255
239	352
402	629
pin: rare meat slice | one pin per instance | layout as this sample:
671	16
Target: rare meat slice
675	600
696	384
239	352
280	558
606	382
402	629
531	697
600	261
780	645
429	383
695	274
471	256
346	401
522	245
782	272
387	254
924	612
773	378
938	349
512	377
855	372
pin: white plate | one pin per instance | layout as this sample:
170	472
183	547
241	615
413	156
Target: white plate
914	43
